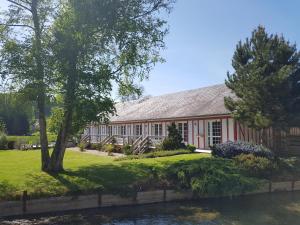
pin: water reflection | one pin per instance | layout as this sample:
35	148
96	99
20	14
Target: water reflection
275	209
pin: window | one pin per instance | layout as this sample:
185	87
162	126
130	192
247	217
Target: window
109	130
123	130
157	129
183	130
138	130
214	130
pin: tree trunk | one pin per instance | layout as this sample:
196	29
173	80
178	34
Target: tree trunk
277	144
41	87
58	153
57	156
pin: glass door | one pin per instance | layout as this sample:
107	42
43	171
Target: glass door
183	130
214	132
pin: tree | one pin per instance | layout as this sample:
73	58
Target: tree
97	43
265	81
129	91
24	31
174	139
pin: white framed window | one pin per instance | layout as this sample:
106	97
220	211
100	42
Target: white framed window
214	132
138	129
183	130
109	129
158	129
123	129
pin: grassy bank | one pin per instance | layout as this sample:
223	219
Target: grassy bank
87	173
20	170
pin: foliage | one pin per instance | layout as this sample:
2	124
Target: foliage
16	142
7	190
211	176
289	168
174	139
82	146
16	113
155	154
191	148
55	120
96	146
2	126
109	148
96	44
265	81
231	149
3	141
127	150
256	166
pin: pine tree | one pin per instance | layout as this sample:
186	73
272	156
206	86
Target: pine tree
265	78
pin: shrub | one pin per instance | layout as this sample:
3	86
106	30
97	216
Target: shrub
127	150
255	165
82	146
168	144
210	176
7	191
3	141
174	139
155	154
97	146
231	149
191	148
11	144
289	168
109	148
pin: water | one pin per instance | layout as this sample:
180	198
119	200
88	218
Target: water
275	209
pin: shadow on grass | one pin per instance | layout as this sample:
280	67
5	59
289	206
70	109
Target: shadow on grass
117	178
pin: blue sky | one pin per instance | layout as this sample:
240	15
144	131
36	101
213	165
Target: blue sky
203	35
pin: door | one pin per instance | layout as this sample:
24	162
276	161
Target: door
183	130
214	132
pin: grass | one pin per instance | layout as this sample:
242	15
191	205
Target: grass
84	173
156	154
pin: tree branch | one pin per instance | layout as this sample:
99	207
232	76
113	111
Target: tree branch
154	8
17	25
20	5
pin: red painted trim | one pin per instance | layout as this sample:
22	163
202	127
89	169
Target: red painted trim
235	131
227	124
221	131
198	138
204	131
193	132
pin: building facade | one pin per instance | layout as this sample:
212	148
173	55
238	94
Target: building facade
200	116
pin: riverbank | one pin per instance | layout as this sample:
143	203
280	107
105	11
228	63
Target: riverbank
98	181
59	204
280	208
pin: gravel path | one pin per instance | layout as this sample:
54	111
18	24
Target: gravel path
96	152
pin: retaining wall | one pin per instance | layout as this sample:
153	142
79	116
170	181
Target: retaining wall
56	204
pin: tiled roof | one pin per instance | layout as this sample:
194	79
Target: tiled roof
198	102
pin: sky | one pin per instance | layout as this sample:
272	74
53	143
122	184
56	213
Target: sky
203	35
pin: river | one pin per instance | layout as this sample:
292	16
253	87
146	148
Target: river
269	209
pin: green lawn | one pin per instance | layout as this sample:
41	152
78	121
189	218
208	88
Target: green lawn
20	170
